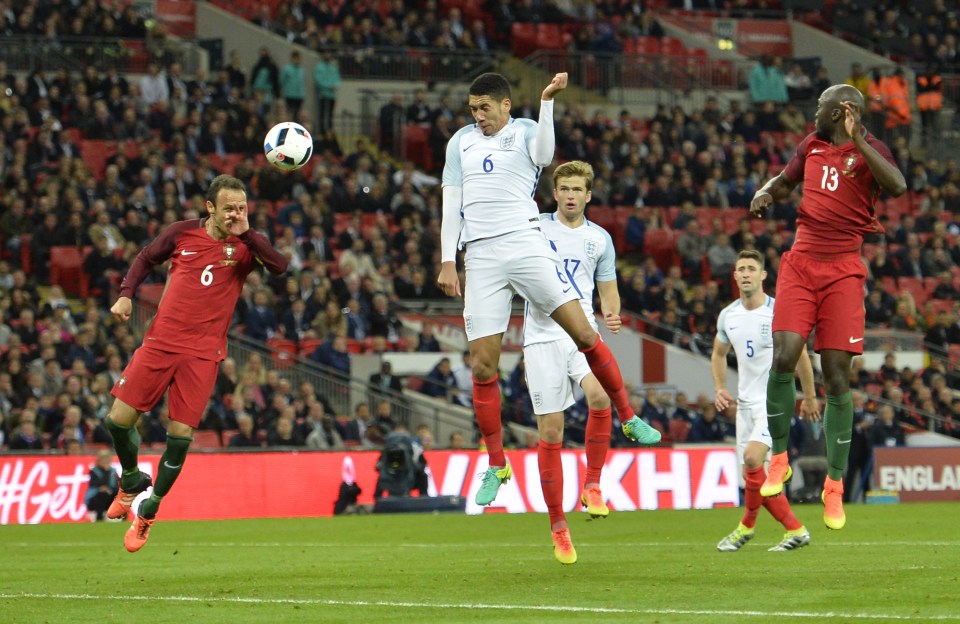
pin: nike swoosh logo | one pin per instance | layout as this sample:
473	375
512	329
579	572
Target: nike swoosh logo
855	340
816	151
466	148
167	464
187	253
839	441
732	328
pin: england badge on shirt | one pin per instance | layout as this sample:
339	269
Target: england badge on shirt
506	142
591	248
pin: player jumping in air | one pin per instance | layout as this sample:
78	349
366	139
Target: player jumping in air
821	283
181	351
489	178
553	363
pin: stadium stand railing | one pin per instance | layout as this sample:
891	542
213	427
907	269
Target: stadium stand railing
24	53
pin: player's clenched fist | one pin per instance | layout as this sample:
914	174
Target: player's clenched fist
761	201
122	309
559	83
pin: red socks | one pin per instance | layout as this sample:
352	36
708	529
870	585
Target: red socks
752	499
779	508
605	368
486	404
597	441
551	481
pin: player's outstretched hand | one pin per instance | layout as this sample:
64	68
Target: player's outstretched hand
723	400
851	119
761	201
810	409
559	83
122	309
449	281
613	322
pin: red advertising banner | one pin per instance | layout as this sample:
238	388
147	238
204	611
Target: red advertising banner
919	474
752	37
764	37
179	17
35	489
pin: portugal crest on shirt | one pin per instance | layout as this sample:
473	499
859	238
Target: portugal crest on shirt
591	248
229	250
506	142
849	163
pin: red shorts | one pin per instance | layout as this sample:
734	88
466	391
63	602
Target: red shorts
151	372
822	292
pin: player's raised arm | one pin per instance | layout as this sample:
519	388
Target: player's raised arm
544	144
268	255
885	172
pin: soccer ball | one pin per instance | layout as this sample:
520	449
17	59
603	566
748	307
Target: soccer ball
288	146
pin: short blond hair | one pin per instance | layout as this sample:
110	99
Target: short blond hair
574	168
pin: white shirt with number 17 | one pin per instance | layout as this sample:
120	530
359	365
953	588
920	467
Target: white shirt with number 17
497	176
750	334
587	256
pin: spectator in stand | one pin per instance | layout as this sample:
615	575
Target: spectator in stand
440	382
692	247
245	437
707	427
767	83
859	79
102	486
886	431
326	80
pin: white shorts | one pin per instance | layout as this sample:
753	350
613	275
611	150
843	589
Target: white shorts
520	263
553	370
752	426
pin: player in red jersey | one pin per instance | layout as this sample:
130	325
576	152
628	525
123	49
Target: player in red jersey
821	284
210	260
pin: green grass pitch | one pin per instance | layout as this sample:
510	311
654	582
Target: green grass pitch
892	563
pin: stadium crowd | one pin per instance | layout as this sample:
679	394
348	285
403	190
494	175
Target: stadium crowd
101	162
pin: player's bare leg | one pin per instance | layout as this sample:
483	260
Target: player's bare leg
781	403
837	427
486	403
550	427
121	422
597	442
604	366
179	437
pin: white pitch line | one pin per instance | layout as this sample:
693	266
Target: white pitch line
501	607
619	545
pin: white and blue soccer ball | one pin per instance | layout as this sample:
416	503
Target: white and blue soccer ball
288	146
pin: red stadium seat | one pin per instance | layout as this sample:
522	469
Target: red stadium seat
226	434
206	439
66	270
282	351
416	146
308	345
679	430
660	244
523	38
914	286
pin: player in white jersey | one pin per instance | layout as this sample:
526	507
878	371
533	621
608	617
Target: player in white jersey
489	179
552	362
745	327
